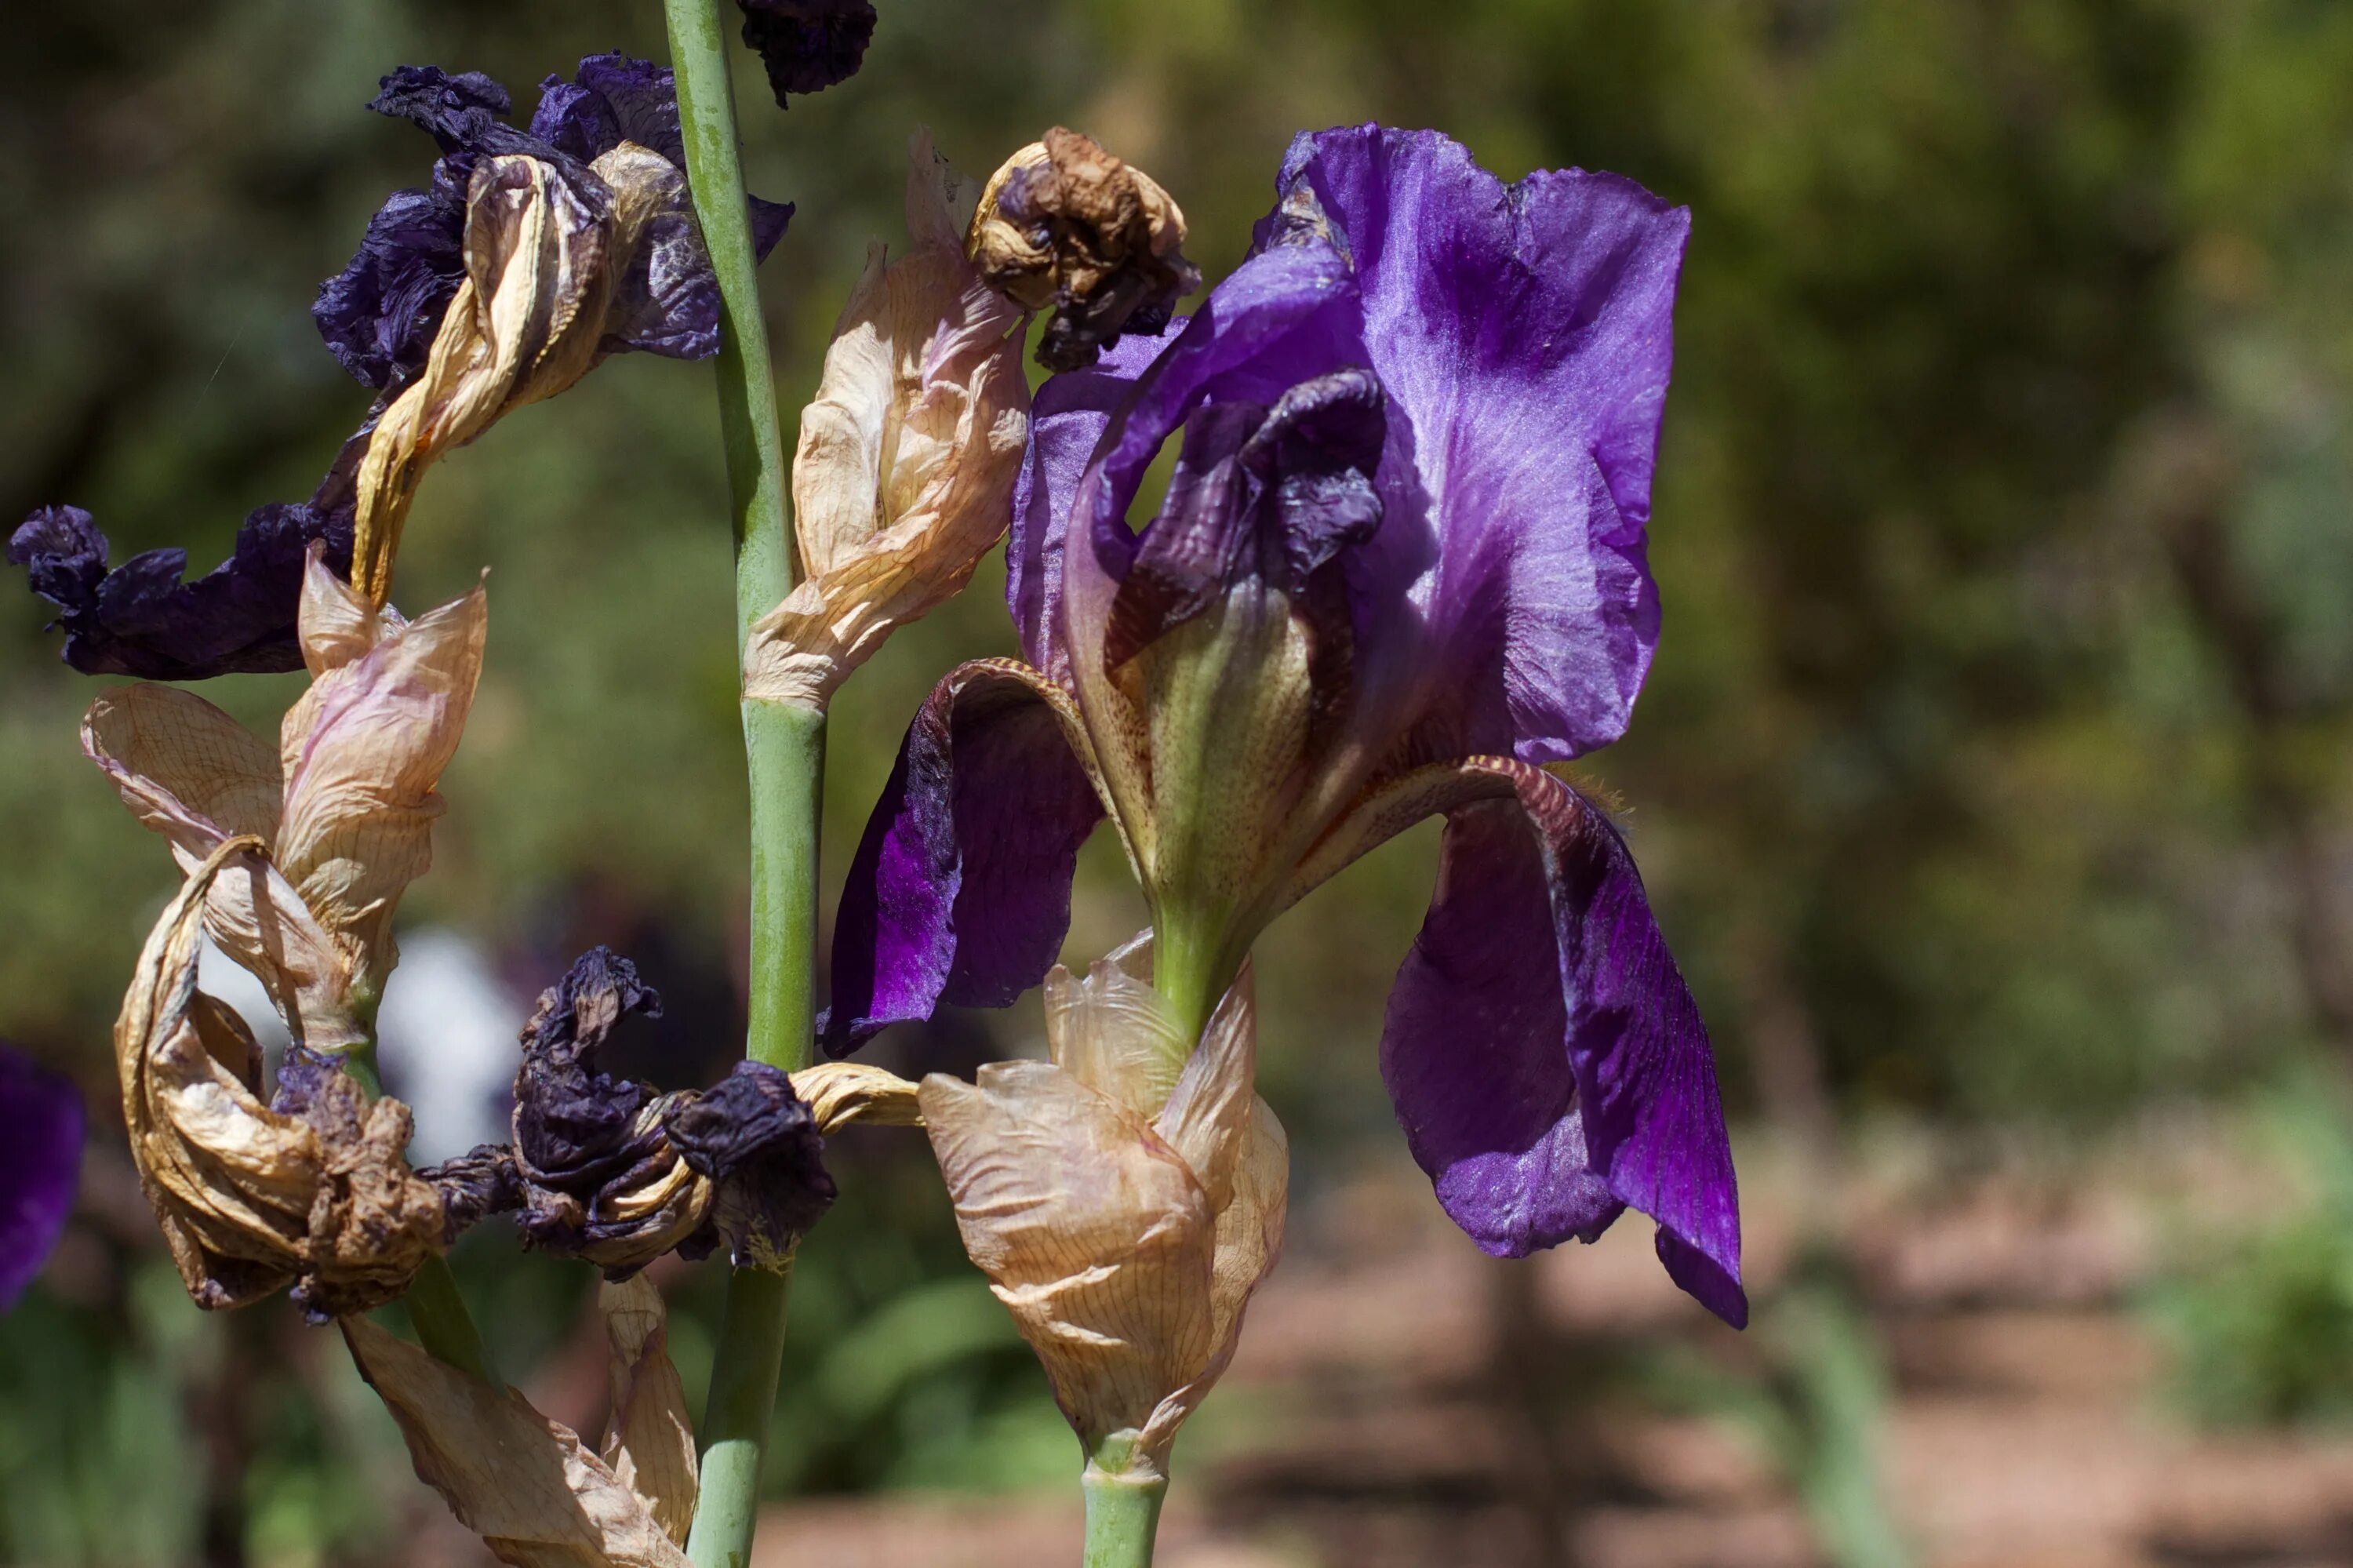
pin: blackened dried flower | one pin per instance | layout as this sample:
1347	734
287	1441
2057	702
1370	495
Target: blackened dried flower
1065	224
616	1174
808	45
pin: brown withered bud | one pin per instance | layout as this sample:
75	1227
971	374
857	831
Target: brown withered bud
309	1191
1066	225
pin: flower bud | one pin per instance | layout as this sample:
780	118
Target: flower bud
1123	1211
904	478
1065	224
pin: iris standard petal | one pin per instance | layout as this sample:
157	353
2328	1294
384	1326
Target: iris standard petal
40	1164
1546	1058
1524	334
961	889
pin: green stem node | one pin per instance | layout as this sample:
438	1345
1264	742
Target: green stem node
1123	1515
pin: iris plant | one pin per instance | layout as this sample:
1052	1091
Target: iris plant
1397	571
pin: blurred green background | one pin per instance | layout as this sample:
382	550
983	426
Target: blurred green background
1992	780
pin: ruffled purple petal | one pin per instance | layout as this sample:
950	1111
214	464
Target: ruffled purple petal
611	100
1067	418
40	1166
807	46
961	889
379	314
1546	1057
1523	334
141	620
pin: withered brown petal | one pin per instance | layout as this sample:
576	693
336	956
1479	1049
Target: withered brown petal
840	1092
648	1441
525	1484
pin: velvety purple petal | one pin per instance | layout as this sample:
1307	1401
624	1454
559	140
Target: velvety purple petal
808	46
612	98
1545	1055
1067	418
40	1165
1524	334
961	889
141	620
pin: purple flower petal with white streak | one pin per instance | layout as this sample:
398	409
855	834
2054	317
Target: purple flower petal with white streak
1524	334
961	889
1546	1057
40	1165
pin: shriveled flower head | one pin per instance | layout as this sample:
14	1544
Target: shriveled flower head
309	1190
904	474
807	46
1124	1198
1398	567
40	1166
533	255
1064	224
615	1173
343	806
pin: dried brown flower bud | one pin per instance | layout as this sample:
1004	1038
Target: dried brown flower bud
1065	224
904	474
533	1491
309	1191
1123	1210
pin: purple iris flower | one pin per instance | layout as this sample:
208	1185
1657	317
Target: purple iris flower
40	1165
1400	566
379	317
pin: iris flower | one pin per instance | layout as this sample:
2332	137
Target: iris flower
1400	569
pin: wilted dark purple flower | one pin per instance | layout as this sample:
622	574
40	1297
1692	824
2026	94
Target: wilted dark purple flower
379	315
40	1165
1400	567
807	45
616	1174
141	620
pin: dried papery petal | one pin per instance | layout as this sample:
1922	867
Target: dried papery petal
903	477
760	1147
840	1092
1091	1230
1064	223
525	1484
1124	1223
361	752
807	46
251	1198
648	1441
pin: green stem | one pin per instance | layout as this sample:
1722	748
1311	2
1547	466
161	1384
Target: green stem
436	1309
1123	1516
784	751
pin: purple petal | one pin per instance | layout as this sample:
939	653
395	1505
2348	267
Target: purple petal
379	314
1067	418
1525	333
961	889
759	1144
40	1165
611	100
1545	1055
808	46
140	619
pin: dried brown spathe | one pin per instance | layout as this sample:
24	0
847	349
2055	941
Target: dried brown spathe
252	1199
343	809
1125	1200
904	474
1065	225
536	1494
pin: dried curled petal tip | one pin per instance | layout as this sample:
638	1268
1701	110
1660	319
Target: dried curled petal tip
1065	224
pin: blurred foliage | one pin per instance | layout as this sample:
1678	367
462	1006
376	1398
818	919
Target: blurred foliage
1994	767
2260	1321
